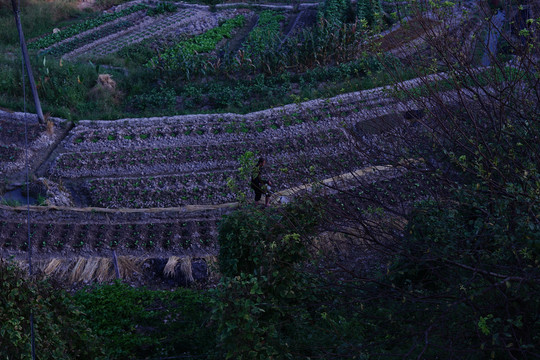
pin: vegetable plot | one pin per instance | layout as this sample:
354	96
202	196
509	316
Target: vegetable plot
52	39
77	42
265	36
150	27
175	57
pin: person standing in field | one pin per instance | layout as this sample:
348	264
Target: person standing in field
259	184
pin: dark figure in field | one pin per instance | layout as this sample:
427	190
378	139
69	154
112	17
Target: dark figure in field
258	184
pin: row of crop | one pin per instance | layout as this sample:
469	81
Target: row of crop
78	42
129	134
261	41
211	187
92	162
76	29
54	236
334	12
14	133
149	30
264	36
369	11
174	57
9	153
160	191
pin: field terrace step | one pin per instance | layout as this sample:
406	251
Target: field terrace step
148	26
182	160
188	230
189	21
134	18
92	231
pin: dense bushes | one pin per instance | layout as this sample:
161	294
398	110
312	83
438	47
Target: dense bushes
335	12
137	323
60	331
368	11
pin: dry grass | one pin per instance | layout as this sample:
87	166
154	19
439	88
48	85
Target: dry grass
90	269
349	241
128	265
185	268
105	270
52	267
101	269
78	269
50	127
170	267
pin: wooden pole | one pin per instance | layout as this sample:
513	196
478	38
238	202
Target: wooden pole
39	112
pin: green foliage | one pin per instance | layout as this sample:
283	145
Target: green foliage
268	306
335	12
264	298
64	85
368	11
161	8
37	17
180	56
137	322
60	332
255	249
466	251
258	261
163	99
475	252
245	252
246	171
248	163
11	202
264	37
136	54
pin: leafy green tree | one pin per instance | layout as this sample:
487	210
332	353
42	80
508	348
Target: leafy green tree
268	307
453	241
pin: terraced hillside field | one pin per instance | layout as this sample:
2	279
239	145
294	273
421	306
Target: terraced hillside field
159	185
142	186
